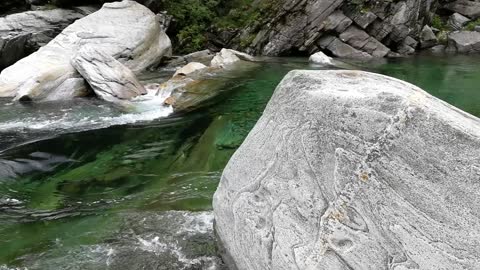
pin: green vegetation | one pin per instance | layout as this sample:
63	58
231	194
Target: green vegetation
440	24
471	25
195	18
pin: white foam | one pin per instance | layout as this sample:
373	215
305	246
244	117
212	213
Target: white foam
146	109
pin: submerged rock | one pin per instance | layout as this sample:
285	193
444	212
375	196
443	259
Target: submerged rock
125	30
23	33
353	170
464	42
109	79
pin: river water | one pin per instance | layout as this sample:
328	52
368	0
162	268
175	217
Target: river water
84	185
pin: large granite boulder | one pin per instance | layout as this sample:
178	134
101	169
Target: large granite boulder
125	30
353	170
24	33
109	79
464	42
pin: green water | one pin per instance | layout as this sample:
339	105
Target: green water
115	197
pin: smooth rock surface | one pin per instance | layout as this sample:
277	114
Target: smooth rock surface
24	33
320	58
353	170
464	42
109	79
189	68
125	30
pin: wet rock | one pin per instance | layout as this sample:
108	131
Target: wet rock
320	58
467	8
125	30
343	171
23	33
457	21
189	68
464	42
427	38
477	28
109	79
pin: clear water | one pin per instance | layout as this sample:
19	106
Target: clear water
87	186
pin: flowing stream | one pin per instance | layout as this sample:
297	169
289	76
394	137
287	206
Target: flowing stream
84	185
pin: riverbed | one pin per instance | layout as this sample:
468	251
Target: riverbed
84	185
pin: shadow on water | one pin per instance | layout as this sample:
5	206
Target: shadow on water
103	198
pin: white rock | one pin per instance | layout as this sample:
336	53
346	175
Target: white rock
320	58
125	30
109	79
227	57
189	68
353	170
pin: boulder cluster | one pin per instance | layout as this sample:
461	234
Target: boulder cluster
362	29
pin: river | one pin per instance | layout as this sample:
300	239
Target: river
84	185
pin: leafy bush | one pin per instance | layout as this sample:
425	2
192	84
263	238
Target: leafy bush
471	25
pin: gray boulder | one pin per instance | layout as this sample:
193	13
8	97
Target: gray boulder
341	49
477	28
320	58
467	8
353	170
125	30
23	33
457	21
360	40
427	38
109	79
464	42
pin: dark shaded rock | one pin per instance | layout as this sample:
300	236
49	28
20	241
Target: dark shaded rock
360	40
340	49
438	49
467	8
23	33
337	21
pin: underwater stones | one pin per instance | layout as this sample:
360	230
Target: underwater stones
350	170
109	79
125	30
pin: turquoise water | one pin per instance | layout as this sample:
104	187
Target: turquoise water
134	192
